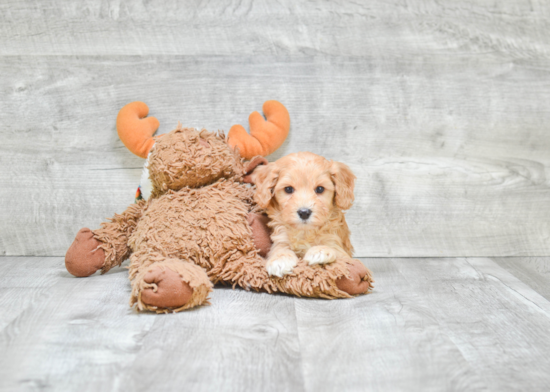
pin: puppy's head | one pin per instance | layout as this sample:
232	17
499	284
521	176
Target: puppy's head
303	189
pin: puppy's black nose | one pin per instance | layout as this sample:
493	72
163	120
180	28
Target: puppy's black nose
304	213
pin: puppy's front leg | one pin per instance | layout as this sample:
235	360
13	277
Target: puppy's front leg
322	254
280	261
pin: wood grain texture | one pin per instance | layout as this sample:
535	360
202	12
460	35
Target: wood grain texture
340	28
430	324
483	309
80	334
244	342
449	161
440	109
18	275
534	271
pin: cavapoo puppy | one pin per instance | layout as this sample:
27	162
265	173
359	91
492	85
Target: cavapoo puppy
305	195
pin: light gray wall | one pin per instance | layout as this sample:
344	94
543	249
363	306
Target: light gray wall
441	108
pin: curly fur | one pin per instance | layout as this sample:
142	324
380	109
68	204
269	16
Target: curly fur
114	235
189	158
290	185
196	224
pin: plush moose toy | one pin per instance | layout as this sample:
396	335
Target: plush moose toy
200	226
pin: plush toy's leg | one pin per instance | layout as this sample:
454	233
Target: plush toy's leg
106	247
165	285
343	278
245	270
359	280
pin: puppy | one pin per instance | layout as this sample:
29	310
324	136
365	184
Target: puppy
305	195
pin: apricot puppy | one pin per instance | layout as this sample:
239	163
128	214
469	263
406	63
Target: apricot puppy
305	195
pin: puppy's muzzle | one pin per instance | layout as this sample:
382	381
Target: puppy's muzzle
304	213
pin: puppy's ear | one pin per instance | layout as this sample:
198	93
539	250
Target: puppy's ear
344	182
266	177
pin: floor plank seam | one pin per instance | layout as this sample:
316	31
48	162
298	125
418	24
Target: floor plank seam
300	348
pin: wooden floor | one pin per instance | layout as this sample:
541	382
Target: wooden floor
431	324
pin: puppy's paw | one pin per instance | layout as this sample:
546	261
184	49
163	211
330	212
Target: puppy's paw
281	264
320	255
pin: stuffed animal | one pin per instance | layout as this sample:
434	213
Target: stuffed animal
200	226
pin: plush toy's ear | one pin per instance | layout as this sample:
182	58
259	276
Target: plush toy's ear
265	136
250	167
135	129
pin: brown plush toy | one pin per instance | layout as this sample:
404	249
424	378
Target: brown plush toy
200	225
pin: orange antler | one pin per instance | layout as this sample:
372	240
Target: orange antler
135	129
265	136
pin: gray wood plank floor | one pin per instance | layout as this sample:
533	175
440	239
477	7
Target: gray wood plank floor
440	109
431	324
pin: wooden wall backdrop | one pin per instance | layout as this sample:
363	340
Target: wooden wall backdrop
442	108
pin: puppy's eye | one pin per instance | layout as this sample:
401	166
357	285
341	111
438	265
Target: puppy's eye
319	190
289	189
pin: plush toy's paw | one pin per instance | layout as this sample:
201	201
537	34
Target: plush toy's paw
320	255
261	233
168	289
84	257
359	280
281	263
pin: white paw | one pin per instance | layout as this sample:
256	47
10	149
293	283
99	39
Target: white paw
281	265
320	255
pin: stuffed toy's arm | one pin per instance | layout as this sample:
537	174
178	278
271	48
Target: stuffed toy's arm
265	136
106	247
114	235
